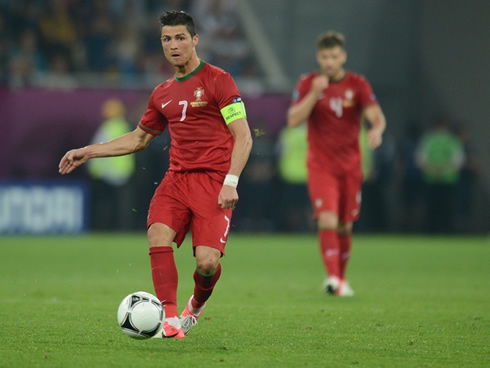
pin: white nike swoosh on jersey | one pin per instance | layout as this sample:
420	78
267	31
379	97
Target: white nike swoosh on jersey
165	104
223	241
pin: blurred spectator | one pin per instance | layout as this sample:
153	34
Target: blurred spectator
223	43
111	190
440	156
26	61
99	40
230	49
126	54
295	211
57	29
132	22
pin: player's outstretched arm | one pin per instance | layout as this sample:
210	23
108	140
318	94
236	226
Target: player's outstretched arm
134	141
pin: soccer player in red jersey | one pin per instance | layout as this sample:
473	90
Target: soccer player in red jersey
210	145
334	101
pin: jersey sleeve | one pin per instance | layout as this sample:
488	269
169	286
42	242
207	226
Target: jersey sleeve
301	89
153	122
366	94
226	90
228	99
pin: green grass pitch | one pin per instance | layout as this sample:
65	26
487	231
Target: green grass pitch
420	302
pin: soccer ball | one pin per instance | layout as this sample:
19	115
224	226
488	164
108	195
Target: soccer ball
140	315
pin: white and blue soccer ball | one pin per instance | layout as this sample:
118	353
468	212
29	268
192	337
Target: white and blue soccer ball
140	315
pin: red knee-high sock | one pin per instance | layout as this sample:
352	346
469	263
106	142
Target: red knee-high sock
204	286
330	249
165	278
345	246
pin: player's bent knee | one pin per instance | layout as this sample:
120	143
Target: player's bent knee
160	235
328	221
206	267
207	259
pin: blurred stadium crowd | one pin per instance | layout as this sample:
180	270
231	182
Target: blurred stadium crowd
72	43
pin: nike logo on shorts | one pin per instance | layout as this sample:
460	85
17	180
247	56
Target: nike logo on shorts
227	219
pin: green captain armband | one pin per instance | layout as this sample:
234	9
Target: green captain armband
234	111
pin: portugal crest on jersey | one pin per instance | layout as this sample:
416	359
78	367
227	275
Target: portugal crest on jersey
349	95
198	94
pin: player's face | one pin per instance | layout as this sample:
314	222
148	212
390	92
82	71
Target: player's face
178	45
331	61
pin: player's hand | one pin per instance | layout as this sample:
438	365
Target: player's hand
374	138
228	197
319	83
71	160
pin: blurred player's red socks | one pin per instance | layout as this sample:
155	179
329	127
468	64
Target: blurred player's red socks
330	249
203	287
345	245
165	278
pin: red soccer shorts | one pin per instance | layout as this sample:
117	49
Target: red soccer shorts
189	201
333	193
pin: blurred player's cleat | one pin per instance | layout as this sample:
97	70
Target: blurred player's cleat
189	316
171	329
345	289
331	285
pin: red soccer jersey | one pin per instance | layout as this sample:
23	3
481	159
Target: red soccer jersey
333	126
190	107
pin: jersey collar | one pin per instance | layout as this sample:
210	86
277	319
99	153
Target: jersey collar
201	64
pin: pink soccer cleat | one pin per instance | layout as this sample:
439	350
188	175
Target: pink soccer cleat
189	316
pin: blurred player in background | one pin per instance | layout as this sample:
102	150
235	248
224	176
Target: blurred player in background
211	143
333	102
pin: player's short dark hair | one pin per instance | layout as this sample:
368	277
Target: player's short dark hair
178	18
330	39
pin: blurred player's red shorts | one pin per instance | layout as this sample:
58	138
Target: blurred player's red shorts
189	201
339	194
